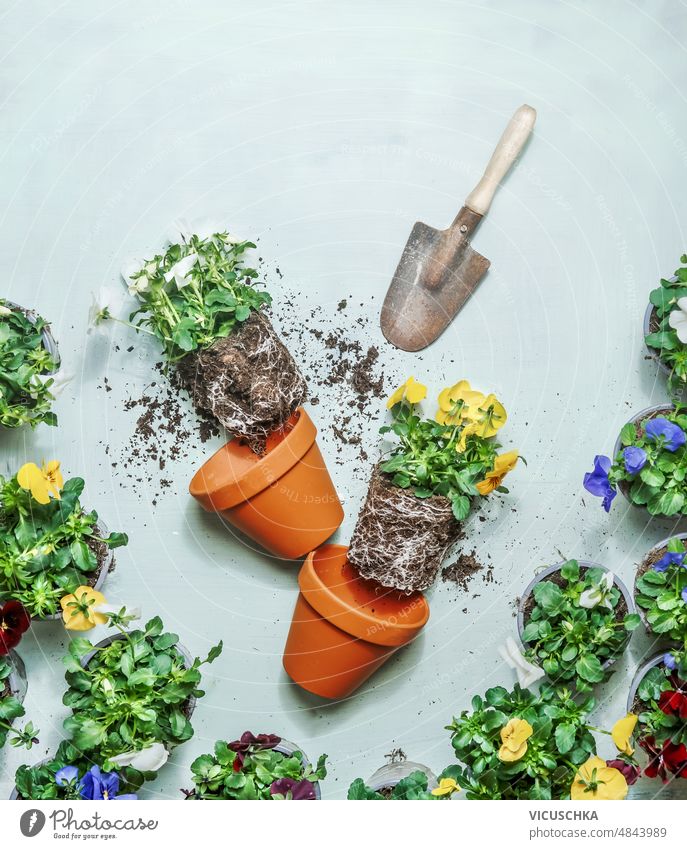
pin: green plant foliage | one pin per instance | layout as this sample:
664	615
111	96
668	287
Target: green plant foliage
25	367
561	741
572	642
665	340
11	709
411	788
661	592
44	552
213	297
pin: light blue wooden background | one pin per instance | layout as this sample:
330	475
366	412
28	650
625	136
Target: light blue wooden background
326	129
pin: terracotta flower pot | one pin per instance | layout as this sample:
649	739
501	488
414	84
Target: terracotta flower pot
284	499
345	627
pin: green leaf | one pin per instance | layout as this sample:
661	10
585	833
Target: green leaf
461	507
565	737
588	667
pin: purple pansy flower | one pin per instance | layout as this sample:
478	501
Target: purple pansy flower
669	661
630	771
66	775
303	789
635	459
248	743
102	785
684	595
668	559
597	481
673	436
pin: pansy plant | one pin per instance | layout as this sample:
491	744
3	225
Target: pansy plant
651	466
661	592
669	338
48	542
661	704
413	787
252	768
27	370
14	621
129	701
575	625
525	745
454	454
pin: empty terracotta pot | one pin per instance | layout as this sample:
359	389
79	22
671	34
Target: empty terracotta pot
345	627
283	499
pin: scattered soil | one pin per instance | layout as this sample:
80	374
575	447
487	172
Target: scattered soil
400	540
248	381
465	568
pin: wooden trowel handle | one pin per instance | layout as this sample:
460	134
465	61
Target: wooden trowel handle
506	152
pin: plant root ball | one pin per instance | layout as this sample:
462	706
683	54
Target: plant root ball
248	381
401	540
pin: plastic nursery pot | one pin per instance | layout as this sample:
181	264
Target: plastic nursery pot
284	500
523	605
104	569
641	416
345	627
287	748
651	557
14	795
17	681
189	705
49	342
644	667
654	353
388	776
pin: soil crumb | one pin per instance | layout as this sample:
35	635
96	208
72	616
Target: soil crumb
465	568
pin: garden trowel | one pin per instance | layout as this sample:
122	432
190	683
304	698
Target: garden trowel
439	270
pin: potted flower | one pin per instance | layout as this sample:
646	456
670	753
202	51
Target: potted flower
425	487
665	326
345	627
661	590
199	300
261	766
69	776
399	779
50	545
29	364
648	465
14	622
132	694
574	620
525	745
658	703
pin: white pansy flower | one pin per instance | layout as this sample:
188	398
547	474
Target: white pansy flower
599	594
105	304
527	672
180	271
149	759
5	310
135	284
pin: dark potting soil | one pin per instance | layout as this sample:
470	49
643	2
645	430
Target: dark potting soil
247	381
400	540
102	552
465	568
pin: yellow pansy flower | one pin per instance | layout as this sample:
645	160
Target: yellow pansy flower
514	737
503	464
80	609
411	391
621	733
447	787
43	482
458	402
595	781
490	416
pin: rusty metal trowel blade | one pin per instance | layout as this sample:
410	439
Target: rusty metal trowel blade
437	273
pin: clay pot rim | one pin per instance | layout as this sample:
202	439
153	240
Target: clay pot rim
636	419
264	471
105	569
354	620
587	564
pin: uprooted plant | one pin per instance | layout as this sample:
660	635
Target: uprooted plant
49	545
200	301
27	369
427	484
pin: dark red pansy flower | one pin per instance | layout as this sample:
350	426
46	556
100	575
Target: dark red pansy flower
673	702
675	757
656	766
298	790
14	621
631	772
249	742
